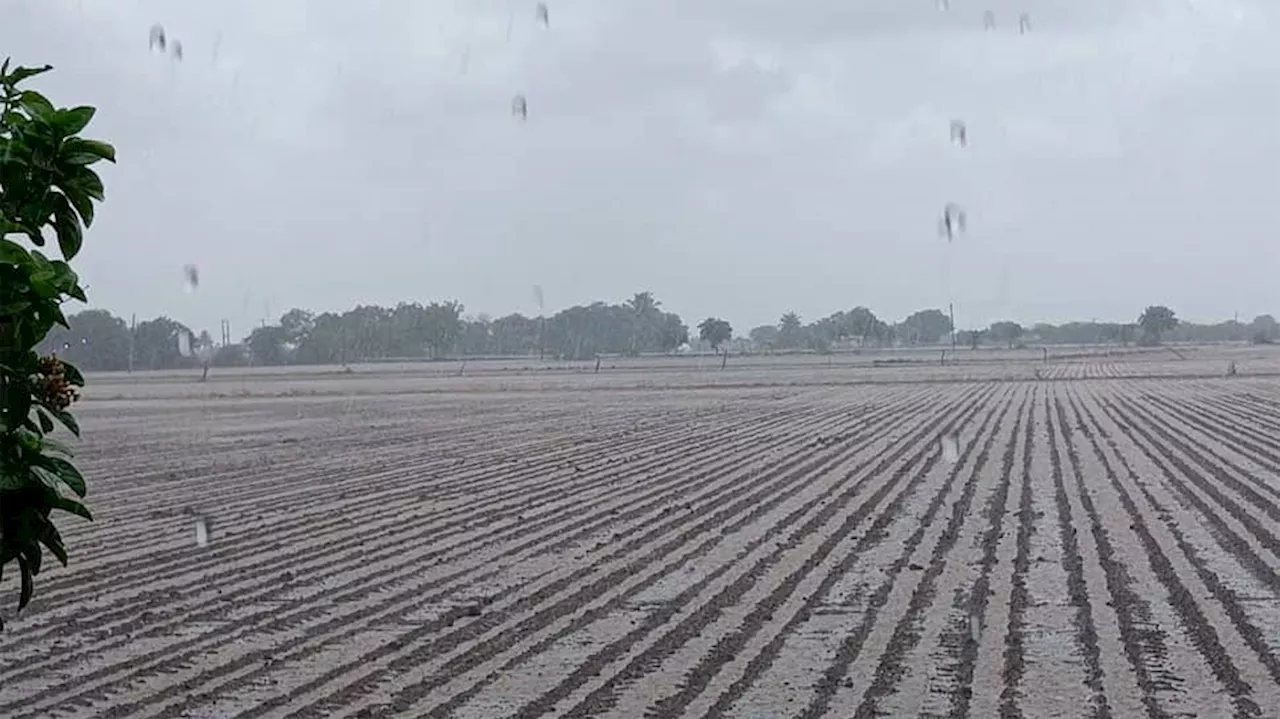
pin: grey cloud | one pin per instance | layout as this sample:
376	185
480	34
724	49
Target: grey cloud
738	157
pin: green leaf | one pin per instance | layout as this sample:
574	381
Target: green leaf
72	121
24	597
13	309
53	541
11	481
46	422
35	103
82	202
31	553
70	422
13	253
80	151
16	406
21	73
70	505
72	373
55	313
64	277
70	236
82	181
65	471
49	444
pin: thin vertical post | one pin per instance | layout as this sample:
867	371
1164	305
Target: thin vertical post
951	309
133	331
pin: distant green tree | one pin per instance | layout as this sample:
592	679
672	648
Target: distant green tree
92	340
764	337
443	324
672	332
646	322
715	331
1154	322
297	324
516	334
819	336
267	345
790	331
157	344
477	337
863	324
1264	330
927	326
1006	331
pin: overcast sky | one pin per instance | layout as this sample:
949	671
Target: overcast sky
739	158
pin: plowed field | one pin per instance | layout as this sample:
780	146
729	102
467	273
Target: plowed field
662	545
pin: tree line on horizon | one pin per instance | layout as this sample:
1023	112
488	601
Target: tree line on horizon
100	341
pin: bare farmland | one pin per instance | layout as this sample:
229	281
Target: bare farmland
783	538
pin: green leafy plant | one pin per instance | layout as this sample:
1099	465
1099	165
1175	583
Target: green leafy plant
46	188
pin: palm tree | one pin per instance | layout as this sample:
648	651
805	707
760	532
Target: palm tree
645	320
790	331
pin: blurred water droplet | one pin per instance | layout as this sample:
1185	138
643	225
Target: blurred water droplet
989	20
542	15
953	221
203	528
191	278
1024	24
950	445
959	133
66	345
184	343
520	107
177	50
944	4
975	627
157	40
537	296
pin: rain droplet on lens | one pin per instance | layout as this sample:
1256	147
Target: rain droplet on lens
177	50
191	278
157	41
950	445
1024	24
989	20
953	221
204	526
184	343
520	107
66	345
959	133
944	4
541	15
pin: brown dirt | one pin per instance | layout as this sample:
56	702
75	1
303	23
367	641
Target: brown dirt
783	538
